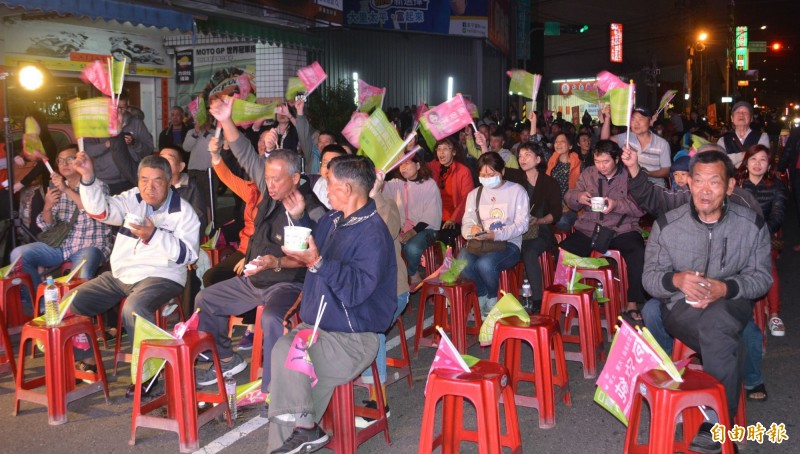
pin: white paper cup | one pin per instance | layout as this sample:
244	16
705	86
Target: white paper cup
131	218
296	238
598	203
250	267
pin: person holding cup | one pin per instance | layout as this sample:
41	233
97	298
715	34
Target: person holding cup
602	193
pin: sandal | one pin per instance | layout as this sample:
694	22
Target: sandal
759	393
633	317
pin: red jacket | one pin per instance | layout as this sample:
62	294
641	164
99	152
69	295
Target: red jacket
457	184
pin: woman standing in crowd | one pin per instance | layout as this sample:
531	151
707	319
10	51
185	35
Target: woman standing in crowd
455	181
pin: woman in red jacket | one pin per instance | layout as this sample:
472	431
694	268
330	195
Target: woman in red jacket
455	181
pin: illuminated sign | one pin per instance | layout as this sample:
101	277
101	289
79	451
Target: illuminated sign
742	53
616	42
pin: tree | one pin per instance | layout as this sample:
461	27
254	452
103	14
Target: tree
329	108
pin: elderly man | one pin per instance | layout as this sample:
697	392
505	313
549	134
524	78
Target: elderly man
157	239
653	151
710	260
88	239
352	268
270	278
173	134
742	137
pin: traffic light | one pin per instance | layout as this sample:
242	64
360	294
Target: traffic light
584	29
776	46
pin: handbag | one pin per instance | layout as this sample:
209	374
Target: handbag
601	235
55	235
483	247
533	230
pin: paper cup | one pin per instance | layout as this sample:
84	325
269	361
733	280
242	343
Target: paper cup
598	203
131	218
250	267
296	238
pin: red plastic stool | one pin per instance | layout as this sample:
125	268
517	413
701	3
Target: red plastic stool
341	414
511	280
667	400
7	363
547	261
161	322
63	289
483	386
461	295
622	272
544	337
257	357
403	364
180	395
611	309
432	255
682	351
590	337
11	300
59	370
760	314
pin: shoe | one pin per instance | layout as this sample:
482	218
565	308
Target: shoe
303	440
776	327
169	308
703	442
147	388
758	394
363	421
208	377
246	343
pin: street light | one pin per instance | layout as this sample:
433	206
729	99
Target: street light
697	46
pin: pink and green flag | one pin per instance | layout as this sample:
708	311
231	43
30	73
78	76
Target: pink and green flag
96	73
447	118
620	96
145	330
352	130
426	133
472	108
380	141
294	86
369	97
665	101
245	113
524	83
312	76
94	117
198	110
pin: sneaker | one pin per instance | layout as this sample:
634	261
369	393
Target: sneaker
363	421
208	377
703	442
776	327
247	341
303	440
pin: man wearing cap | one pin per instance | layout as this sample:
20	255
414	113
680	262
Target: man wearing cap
742	137
653	151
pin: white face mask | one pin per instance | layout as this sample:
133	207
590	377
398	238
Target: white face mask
491	182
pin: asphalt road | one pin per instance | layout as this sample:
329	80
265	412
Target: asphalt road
95	426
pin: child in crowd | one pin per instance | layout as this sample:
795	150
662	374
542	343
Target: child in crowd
679	171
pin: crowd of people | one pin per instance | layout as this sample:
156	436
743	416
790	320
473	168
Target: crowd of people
713	214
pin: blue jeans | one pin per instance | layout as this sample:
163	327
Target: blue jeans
380	360
752	336
37	254
414	248
485	270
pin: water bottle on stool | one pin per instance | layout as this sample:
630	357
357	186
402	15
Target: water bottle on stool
50	302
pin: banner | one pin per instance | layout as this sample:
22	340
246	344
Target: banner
380	141
447	118
312	76
215	69
245	113
92	117
369	97
524	83
352	131
184	67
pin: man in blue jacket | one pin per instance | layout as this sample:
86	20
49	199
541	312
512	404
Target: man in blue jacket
352	268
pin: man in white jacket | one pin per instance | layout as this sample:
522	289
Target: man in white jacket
158	237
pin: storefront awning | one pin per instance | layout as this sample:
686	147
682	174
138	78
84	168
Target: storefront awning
136	14
258	32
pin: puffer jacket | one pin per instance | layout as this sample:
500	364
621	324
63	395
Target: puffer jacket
772	201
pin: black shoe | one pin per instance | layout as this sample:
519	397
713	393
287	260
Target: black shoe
303	440
704	442
363	421
145	392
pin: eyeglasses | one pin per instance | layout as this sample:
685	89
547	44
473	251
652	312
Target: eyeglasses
65	160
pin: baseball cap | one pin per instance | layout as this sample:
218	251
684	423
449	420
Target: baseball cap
643	111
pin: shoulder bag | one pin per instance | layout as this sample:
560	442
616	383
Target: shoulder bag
55	235
601	235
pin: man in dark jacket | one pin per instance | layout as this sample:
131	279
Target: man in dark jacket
352	270
174	134
270	278
710	259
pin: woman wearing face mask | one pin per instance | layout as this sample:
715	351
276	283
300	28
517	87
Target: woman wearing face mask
565	167
420	205
500	214
454	181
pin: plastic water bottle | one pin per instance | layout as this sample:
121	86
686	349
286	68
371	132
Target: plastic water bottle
230	390
598	291
51	302
526	296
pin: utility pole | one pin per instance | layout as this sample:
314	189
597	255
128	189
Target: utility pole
728	56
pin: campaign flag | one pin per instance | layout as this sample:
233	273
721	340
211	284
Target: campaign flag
620	96
298	358
12	269
369	97
352	130
630	356
117	75
447	357
65	280
380	141
96	73
665	100
243	82
312	76
294	86
80	341
197	109
472	108
31	140
145	330
567	260
696	143
507	306
447	118
182	328
245	113
94	117
524	83
250	394
607	81
426	133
